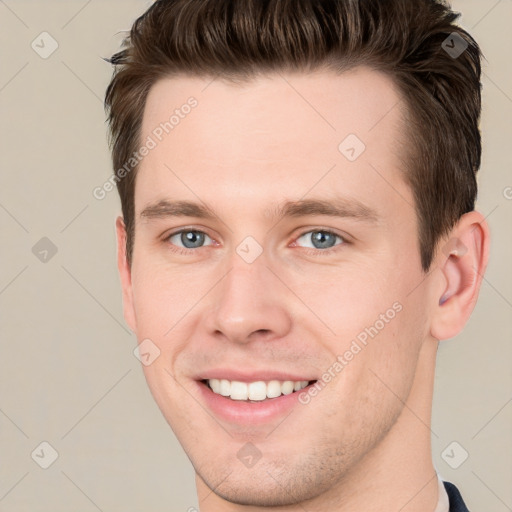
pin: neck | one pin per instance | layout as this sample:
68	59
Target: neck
397	474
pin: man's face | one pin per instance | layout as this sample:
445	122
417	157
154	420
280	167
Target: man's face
257	296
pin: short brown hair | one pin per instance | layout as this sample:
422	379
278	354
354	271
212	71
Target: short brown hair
408	40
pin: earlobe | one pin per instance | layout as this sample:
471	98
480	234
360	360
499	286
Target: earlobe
125	275
462	261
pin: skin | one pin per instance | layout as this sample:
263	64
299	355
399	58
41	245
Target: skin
363	443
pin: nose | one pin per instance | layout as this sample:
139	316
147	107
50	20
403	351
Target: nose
250	303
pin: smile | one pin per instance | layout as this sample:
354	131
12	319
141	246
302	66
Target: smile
254	391
250	398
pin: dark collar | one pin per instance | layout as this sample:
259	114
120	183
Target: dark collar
456	502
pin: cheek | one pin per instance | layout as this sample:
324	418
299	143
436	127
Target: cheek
165	303
352	300
161	298
393	354
380	327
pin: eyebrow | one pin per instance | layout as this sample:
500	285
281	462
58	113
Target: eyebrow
337	207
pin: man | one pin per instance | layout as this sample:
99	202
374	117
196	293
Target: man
297	182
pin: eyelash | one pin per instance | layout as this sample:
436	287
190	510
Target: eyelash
310	251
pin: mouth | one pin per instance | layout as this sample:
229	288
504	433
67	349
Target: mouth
248	398
257	391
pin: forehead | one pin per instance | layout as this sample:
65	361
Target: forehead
323	103
282	128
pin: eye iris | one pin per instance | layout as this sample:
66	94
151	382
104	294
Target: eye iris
321	237
193	237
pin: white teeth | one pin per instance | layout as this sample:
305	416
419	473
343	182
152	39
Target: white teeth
239	390
273	389
287	387
215	385
224	387
256	391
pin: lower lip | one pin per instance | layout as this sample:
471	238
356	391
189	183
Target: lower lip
242	412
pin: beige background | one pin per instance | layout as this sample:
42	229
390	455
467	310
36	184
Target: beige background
67	372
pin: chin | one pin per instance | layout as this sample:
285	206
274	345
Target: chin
268	484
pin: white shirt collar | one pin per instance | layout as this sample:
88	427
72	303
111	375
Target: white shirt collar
443	503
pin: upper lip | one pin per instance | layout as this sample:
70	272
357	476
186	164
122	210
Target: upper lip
253	375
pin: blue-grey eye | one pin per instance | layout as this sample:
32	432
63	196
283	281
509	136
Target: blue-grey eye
190	239
321	239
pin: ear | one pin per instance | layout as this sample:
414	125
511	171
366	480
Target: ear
125	274
462	259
